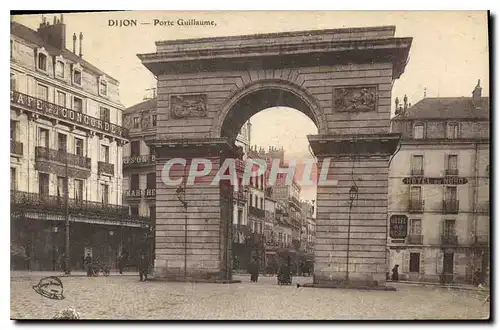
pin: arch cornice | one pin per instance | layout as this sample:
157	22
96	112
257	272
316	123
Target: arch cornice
263	84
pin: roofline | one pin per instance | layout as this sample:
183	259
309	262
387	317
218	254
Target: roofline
277	34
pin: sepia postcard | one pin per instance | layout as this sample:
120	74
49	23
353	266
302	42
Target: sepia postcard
280	165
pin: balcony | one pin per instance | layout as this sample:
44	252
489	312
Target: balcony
105	168
257	212
415	239
294	202
450	206
417	172
451	172
415	206
150	192
240	196
23	201
449	240
138	161
133	194
16	148
54	161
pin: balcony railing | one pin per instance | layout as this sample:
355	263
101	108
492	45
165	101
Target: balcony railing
449	240
61	157
44	203
451	171
240	196
450	206
105	168
133	193
295	202
257	212
150	192
417	172
16	147
415	239
481	239
136	161
416	206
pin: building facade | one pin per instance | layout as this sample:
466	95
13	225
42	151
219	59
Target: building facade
66	145
439	189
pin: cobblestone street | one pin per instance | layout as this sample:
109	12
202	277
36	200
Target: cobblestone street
124	297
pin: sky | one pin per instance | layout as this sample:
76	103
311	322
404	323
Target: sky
448	55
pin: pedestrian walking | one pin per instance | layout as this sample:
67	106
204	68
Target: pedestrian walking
121	262
88	265
254	270
395	273
63	263
143	267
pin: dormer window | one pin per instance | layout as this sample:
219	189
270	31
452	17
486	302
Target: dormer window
42	62
103	87
452	131
77	77
135	122
418	131
59	69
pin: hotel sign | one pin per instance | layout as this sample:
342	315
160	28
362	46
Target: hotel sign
70	115
398	226
449	180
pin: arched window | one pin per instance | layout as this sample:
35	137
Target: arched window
42	62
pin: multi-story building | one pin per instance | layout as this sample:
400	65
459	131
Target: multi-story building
439	189
66	145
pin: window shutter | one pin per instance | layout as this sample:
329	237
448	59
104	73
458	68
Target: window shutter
406	261
439	262
445	167
422	263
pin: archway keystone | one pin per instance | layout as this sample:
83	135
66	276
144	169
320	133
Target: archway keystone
341	79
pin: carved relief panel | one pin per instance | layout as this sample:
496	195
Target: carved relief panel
189	105
355	99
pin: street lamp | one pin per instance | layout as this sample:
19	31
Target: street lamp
353	195
55	229
181	196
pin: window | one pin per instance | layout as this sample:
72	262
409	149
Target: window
240	217
61	187
134	210
12	82
42	92
13	178
13	130
60	69
152	213
42	62
452	131
416	227
104	114
77	77
103	88
251	200
104	153
43	137
417	165
452	165
261	203
134	181
451	193
12	49
79	147
153	120
135	122
151	181
78	189
43	184
449	228
416	194
61	99
135	148
105	193
256	201
414	262
418	131
62	143
77	104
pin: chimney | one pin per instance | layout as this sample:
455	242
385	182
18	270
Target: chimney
396	102
405	100
476	94
55	34
74	43
81	39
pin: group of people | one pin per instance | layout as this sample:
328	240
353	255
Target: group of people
284	272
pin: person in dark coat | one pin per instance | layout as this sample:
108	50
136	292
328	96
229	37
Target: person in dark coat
143	267
284	273
63	263
395	273
88	264
254	270
121	263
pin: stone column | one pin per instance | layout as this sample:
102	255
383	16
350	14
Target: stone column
362	163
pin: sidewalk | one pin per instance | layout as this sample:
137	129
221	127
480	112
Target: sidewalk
27	273
456	286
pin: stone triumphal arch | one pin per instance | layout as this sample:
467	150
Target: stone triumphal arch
208	88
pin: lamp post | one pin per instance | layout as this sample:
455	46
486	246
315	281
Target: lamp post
353	195
181	196
55	229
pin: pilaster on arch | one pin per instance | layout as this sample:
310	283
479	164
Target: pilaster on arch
315	109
